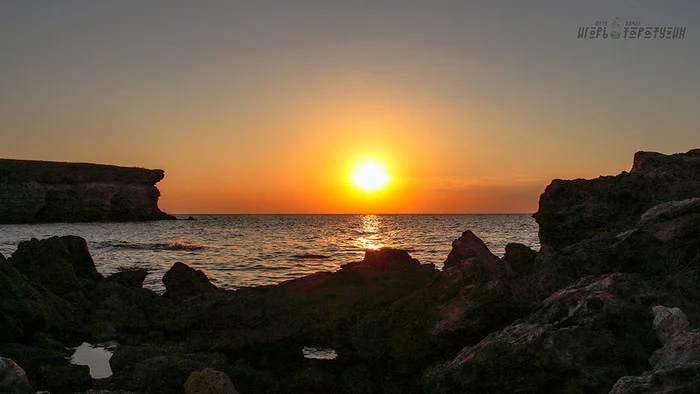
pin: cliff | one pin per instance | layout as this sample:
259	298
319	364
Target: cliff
573	210
43	191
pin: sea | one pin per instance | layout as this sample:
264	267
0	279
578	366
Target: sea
237	251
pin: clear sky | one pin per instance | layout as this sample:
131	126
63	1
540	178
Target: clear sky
264	106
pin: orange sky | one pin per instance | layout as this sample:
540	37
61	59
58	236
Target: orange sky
250	108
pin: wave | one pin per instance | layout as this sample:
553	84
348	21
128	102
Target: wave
176	245
310	256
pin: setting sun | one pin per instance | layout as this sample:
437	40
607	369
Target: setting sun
369	176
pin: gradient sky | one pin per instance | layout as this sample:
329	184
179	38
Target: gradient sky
263	106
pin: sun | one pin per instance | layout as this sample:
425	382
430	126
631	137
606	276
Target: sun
369	176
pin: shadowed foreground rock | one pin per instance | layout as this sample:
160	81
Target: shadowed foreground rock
44	191
581	339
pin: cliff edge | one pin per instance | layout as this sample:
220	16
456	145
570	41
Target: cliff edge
43	191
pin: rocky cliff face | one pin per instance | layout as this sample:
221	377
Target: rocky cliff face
573	210
42	191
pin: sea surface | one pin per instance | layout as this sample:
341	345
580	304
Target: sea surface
251	250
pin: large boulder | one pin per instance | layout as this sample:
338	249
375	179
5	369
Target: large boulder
13	379
571	211
182	282
581	339
61	264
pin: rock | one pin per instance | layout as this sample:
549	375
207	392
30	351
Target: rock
581	339
132	278
13	379
27	309
190	218
61	264
668	322
520	258
209	381
672	220
384	259
676	366
571	211
183	282
42	191
471	258
161	374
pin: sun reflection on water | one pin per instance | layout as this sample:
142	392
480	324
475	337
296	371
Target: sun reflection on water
369	237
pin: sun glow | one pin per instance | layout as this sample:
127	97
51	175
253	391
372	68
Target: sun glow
369	176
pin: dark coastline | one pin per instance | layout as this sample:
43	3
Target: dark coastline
608	304
34	191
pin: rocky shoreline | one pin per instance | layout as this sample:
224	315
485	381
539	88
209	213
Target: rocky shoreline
608	304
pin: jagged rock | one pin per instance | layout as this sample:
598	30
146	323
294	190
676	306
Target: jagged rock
581	339
571	211
471	258
209	381
673	219
13	379
676	366
183	282
43	191
668	322
61	264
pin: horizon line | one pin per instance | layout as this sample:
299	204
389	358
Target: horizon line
345	213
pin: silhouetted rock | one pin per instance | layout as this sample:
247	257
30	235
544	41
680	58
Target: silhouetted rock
520	258
61	264
190	218
13	379
384	259
571	211
471	258
183	282
43	191
581	339
209	381
28	309
131	278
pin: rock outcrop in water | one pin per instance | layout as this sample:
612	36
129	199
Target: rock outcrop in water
610	305
42	191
